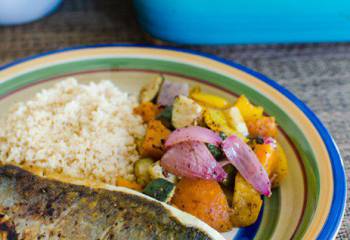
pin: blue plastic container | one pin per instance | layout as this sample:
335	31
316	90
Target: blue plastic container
244	21
13	12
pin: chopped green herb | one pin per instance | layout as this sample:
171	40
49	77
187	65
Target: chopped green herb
230	180
259	140
165	116
215	151
222	135
255	140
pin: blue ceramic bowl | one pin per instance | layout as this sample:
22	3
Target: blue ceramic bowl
13	12
242	21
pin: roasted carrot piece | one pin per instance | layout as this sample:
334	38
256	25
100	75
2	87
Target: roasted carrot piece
204	199
266	154
122	182
153	144
274	161
147	110
263	127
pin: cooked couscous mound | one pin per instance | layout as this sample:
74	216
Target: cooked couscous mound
85	131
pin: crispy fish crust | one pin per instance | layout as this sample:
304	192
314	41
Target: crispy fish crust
32	207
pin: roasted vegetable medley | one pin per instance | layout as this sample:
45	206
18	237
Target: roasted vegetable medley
209	156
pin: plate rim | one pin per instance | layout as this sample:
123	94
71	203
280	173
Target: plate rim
337	209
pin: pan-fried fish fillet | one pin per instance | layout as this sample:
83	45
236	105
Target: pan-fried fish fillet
32	207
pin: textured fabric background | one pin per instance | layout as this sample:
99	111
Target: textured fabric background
319	74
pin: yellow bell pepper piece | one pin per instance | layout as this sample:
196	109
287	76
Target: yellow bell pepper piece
248	110
236	121
209	100
246	203
281	168
216	121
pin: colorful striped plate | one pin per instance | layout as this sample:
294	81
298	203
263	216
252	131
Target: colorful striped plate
308	205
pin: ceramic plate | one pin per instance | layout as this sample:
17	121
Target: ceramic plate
310	202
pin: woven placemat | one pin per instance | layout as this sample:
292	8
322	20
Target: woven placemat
319	74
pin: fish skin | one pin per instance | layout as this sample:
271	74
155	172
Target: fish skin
33	207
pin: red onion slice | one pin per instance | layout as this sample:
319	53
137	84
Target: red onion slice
193	133
170	90
193	160
243	158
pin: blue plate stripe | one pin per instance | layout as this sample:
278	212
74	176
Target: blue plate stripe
248	233
334	218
